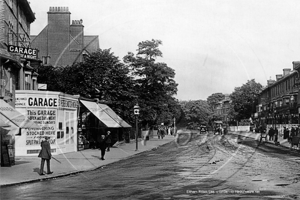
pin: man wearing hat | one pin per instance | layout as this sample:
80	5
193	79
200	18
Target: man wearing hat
45	154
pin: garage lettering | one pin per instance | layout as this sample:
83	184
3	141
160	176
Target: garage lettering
43	102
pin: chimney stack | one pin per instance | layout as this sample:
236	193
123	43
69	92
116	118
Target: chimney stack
278	77
296	65
286	71
270	82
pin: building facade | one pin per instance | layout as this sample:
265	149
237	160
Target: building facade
61	42
279	100
222	108
18	64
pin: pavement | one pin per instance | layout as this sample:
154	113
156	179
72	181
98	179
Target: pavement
256	136
26	169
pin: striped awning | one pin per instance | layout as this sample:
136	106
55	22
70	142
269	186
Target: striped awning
105	114
9	115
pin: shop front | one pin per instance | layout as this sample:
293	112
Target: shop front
55	113
12	123
96	119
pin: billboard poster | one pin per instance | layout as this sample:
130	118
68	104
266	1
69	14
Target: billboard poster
46	118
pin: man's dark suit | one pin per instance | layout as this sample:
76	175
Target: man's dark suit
45	154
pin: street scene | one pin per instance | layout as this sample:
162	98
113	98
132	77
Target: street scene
209	166
152	99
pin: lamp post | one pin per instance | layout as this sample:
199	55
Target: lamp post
136	110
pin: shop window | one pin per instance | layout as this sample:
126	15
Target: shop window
60	134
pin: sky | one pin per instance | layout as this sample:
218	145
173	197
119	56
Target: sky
213	45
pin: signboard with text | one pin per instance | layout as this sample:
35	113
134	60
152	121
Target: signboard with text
56	113
23	51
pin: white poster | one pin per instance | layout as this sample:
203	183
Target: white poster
46	118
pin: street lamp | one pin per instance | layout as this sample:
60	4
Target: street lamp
136	110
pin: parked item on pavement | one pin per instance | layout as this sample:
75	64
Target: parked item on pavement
45	155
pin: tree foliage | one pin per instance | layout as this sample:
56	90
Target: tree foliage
244	99
195	113
214	99
102	76
153	82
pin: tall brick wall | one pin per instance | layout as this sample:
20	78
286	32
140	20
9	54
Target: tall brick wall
77	42
58	33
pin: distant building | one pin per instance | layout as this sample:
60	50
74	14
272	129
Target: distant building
222	108
62	43
279	101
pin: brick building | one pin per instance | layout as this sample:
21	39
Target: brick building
18	61
62	43
223	107
279	101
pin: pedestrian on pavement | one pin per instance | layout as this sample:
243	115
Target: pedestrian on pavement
293	134
108	140
102	146
276	136
271	133
285	133
45	155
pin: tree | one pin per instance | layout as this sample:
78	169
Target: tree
244	99
102	76
50	76
195	113
153	82
214	99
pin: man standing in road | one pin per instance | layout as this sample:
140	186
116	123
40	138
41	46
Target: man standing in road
45	154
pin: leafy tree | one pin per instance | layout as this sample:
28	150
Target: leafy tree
214	99
154	83
102	76
50	76
244	99
195	113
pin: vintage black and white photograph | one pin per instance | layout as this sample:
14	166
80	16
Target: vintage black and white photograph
150	99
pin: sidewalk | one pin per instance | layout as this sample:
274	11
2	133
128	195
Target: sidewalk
256	136
26	168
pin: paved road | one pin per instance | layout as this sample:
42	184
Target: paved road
210	166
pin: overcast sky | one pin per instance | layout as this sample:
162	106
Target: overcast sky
213	45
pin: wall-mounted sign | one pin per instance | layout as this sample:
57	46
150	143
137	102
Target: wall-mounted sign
42	86
25	52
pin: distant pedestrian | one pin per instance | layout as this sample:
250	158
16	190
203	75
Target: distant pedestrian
271	134
108	140
102	146
276	136
286	133
45	155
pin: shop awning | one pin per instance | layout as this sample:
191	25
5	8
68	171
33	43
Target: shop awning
9	114
114	116
3	124
104	116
